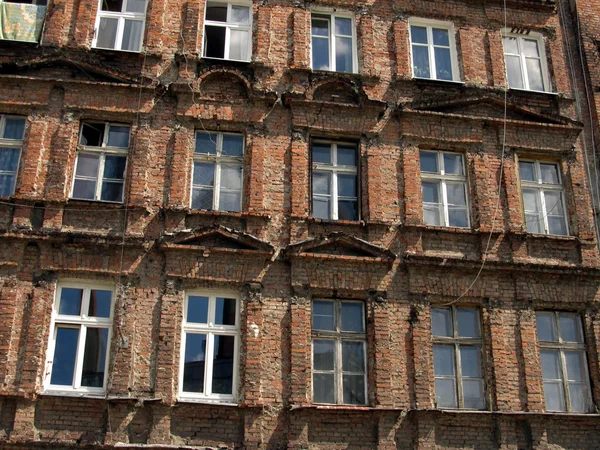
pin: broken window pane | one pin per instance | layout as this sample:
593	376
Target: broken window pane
214	42
92	134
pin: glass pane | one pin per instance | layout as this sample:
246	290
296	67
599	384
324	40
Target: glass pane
346	156
320	27
202	199
575	366
216	12
112	192
421	61
9	159
534	223
321	183
233	145
530	48
445	393
578	397
107	33
549	173
222	376
555	398
443	64
347	185
431	191
527	170
545	328
70	301
570	327
114	167
87	165
470	361
553	203
118	136
354	389
323	354
206	143
556	226
348	210
94	358
100	302
65	351
440	37
431	215
7	185
352	317
453	164
238	44
343	54
112	5
225	311
323	388
323	318
92	134
204	174
530	200
197	309
320	53
230	201
534	74
132	35
84	189
231	176
321	153
429	162
468	322
456	194
473	394
441	322
321	207
136	6
195	359
550	364
353	356
214	41
343	27
418	35
443	360
240	14
14	128
510	45
458	217
513	72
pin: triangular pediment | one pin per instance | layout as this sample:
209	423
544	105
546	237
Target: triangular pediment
218	238
340	245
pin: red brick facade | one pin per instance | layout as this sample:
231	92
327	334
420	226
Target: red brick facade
153	249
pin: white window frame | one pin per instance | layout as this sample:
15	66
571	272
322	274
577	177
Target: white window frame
443	179
338	336
456	342
121	17
218	159
228	27
541	187
331	17
561	347
430	24
534	36
102	152
82	322
334	170
210	330
11	143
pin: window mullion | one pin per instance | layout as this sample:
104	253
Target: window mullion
544	211
334	195
217	184
79	357
524	73
458	380
332	48
431	52
339	372
98	193
210	342
565	380
119	36
445	203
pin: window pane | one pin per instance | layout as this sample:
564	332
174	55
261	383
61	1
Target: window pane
225	311
7	183
233	145
320	27
132	35
418	35
112	192
443	64
445	393
94	358
473	396
112	5
555	398
343	54
65	351
458	217
92	134
202	199
207	143
550	364
352	317
431	191
348	210
321	183
216	12
534	74
204	174
421	61
136	6
470	361
578	397
429	162
214	41
114	167
9	159
441	322
549	173
240	14
354	389
320	53
534	223
347	185
353	357
545	328
70	301
453	164
575	366
556	226
530	200
222	376
107	33
87	165
14	128
323	387
321	153
323	354
570	327
323	318
321	208
456	194
343	27
468	322
238	44
440	37
510	45
346	156
513	71
231	176
530	47
195	359
553	203
527	170
84	189
443	360
230	201
197	309
431	215
100	302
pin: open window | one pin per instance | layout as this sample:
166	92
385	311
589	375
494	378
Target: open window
228	31
120	25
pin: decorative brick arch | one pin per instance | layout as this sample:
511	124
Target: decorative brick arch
224	84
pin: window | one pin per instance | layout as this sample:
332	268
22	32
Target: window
120	25
227	31
444	187
101	162
218	171
525	62
564	365
12	129
433	50
333	43
334	181
543	198
209	347
339	356
79	338
457	358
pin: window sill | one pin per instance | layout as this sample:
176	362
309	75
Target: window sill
336	222
102	203
324	407
202	401
463	230
516	413
528	91
74	394
102	49
211	212
213	59
558	237
436	81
